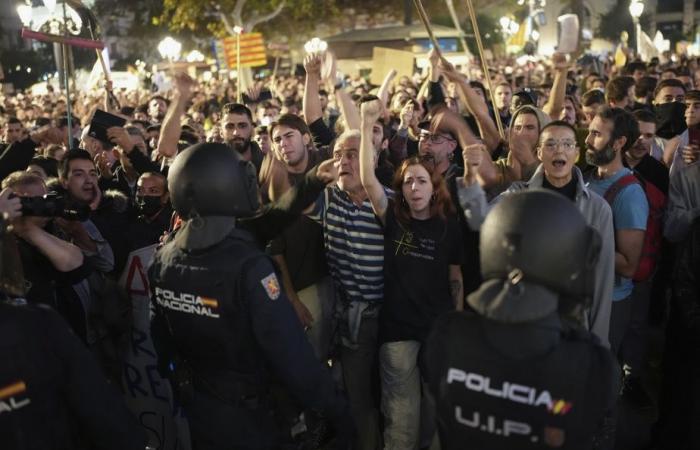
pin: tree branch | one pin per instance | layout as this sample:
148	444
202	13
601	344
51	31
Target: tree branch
238	11
227	22
256	19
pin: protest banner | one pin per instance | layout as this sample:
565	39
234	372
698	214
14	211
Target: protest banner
147	394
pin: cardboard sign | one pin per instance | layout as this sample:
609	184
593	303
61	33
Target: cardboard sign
147	395
385	59
568	33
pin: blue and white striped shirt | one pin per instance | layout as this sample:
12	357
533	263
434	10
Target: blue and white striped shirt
354	241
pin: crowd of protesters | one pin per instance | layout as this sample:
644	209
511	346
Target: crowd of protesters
414	165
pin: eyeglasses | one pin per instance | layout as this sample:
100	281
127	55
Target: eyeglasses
435	138
552	145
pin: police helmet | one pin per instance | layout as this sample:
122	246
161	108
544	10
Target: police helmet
210	179
540	237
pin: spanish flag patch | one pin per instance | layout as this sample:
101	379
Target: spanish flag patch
272	286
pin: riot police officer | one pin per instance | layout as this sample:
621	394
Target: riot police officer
52	392
513	373
222	319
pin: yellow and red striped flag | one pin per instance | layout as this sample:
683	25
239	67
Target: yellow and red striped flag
252	50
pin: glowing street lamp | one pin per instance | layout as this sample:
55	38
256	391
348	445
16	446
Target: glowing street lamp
194	56
316	45
169	49
636	11
64	22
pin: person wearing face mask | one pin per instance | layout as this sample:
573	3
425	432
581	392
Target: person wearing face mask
669	108
152	209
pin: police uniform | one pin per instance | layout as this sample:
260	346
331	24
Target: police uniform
512	373
52	393
222	316
521	388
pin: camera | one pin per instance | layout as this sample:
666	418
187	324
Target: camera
54	205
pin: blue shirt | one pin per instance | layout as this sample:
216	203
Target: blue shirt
354	241
630	211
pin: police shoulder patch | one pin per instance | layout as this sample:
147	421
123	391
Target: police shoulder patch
272	286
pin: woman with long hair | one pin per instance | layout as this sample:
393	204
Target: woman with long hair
422	277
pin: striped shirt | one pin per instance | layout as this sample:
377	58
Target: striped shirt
354	241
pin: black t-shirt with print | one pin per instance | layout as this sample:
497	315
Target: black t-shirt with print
416	274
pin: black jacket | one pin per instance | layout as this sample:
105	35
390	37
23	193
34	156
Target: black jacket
52	393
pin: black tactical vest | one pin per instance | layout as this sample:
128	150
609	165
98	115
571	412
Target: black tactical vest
488	400
199	293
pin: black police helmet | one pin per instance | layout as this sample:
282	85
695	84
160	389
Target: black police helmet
540	237
212	180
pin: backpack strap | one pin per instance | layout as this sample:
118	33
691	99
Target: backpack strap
617	186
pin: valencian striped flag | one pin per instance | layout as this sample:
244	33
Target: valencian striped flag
252	50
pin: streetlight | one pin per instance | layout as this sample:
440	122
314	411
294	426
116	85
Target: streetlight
315	45
169	49
194	56
636	11
65	22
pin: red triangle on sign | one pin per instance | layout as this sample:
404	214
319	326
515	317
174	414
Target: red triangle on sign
133	268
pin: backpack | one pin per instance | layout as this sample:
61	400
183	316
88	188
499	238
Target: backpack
651	250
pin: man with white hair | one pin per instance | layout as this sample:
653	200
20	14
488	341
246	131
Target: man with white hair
354	242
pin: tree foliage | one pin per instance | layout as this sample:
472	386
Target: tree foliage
201	16
616	20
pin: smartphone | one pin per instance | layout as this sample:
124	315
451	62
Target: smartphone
694	136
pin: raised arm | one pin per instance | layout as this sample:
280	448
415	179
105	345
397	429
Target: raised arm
312	103
172	126
348	109
476	106
555	103
370	112
383	92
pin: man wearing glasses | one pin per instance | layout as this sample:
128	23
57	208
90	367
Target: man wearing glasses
557	150
438	147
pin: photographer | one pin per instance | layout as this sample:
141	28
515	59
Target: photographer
51	265
53	395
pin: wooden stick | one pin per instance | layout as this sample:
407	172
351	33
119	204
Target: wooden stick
485	68
426	23
277	65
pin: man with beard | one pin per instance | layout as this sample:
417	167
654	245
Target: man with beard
639	156
613	132
237	128
157	106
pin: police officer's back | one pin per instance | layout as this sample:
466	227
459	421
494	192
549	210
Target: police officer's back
52	392
512	374
222	315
